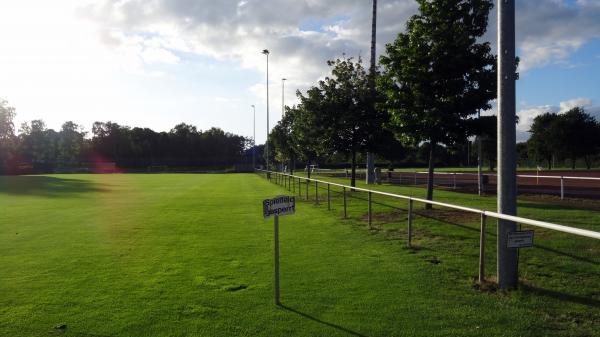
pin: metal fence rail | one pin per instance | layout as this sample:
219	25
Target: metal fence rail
453	179
294	182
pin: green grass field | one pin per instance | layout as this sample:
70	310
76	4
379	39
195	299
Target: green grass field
190	255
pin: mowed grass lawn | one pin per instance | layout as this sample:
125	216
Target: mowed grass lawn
191	255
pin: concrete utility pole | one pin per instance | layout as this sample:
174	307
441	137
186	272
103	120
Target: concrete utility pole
370	176
479	160
266	52
253	137
507	260
283	97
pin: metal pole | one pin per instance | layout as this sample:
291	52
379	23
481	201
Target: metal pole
482	248
479	161
283	97
307	183
370	215
345	213
370	174
507	264
266	52
276	231
410	208
254	137
562	188
316	192
328	198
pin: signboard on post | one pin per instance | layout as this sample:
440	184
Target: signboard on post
520	239
281	205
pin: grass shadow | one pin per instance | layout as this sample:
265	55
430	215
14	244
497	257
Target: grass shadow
47	186
332	325
557	295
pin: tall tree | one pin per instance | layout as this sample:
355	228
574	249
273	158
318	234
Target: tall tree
350	120
579	135
543	143
281	140
7	135
307	134
70	145
437	75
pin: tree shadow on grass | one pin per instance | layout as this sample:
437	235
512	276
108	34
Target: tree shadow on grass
562	296
47	186
312	318
489	233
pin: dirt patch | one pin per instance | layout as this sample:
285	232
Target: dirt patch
236	287
576	203
451	216
446	215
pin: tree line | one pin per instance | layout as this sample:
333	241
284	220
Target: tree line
37	148
430	85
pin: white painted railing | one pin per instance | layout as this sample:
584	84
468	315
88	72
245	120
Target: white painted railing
413	176
288	180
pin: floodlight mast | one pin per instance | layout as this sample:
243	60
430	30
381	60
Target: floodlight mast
266	52
507	259
283	97
253	136
370	174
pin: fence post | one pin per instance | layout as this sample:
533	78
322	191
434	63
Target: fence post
276	259
345	213
410	207
316	192
328	198
370	215
293	184
307	183
415	177
482	249
454	187
562	188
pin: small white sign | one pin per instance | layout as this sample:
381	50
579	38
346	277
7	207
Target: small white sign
520	239
282	205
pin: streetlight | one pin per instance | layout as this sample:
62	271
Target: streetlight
266	52
253	137
283	97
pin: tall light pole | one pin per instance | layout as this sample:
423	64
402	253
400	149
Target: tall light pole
283	97
266	52
253	137
370	176
479	159
507	264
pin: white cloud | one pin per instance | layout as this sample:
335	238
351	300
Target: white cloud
573	103
74	50
528	114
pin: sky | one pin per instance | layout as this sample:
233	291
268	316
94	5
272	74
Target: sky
156	63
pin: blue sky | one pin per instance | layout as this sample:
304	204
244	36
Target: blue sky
160	62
